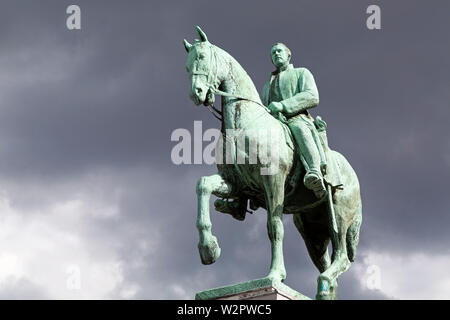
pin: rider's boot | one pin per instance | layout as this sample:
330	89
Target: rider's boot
313	180
236	208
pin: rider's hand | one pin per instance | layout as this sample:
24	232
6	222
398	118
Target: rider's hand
275	107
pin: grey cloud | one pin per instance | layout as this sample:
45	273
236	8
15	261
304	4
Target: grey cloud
21	289
105	100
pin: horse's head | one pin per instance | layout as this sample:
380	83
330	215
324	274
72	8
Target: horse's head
199	64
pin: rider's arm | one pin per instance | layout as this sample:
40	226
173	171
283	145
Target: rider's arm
306	98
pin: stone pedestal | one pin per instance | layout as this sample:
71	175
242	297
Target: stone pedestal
260	289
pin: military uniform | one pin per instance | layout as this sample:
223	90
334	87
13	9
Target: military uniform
296	90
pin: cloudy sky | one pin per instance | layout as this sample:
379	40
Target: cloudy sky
91	205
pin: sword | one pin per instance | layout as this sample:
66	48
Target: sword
332	214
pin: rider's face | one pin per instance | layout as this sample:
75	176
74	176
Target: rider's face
280	55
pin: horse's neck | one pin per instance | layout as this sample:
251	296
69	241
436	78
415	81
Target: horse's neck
235	81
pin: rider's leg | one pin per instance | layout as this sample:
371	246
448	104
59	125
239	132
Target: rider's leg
313	178
237	208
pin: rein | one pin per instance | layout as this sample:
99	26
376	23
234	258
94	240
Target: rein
226	94
211	78
281	117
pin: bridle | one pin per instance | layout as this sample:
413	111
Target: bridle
211	79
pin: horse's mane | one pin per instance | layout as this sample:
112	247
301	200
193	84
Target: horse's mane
238	70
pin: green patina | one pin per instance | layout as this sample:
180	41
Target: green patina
312	182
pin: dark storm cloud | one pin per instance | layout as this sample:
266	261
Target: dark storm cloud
111	94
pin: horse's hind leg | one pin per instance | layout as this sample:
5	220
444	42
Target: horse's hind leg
327	281
208	246
353	235
274	189
316	242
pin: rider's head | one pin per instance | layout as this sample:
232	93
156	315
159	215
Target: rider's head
280	54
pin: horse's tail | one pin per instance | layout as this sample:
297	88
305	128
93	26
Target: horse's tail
353	234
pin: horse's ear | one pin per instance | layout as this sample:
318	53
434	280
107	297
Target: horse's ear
201	34
187	45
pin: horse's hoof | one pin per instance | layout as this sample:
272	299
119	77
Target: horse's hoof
209	251
325	290
277	276
321	296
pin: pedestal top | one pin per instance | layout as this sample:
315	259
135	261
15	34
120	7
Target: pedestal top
259	289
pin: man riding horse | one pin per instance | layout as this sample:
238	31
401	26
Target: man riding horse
320	215
291	92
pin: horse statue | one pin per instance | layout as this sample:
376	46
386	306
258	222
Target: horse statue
336	217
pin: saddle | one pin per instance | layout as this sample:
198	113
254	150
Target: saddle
328	165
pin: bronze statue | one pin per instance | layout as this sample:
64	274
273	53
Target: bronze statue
311	182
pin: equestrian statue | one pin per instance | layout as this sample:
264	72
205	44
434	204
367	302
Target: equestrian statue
308	180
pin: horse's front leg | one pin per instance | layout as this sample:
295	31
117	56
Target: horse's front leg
208	247
274	189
